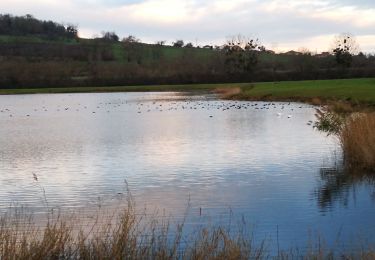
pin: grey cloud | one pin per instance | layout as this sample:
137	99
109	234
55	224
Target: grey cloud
248	18
356	3
271	27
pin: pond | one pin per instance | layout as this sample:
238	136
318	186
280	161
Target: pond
220	161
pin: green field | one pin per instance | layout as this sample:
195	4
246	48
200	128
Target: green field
353	90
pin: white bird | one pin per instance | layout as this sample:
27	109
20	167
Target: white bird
289	116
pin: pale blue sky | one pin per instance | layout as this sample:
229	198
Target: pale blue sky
279	24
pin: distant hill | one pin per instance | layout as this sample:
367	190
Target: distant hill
29	26
35	53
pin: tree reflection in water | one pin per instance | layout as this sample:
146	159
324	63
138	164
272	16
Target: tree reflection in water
340	185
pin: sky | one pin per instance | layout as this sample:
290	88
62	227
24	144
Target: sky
280	25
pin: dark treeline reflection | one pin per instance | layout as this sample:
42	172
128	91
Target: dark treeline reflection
339	185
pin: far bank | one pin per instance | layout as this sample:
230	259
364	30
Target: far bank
354	91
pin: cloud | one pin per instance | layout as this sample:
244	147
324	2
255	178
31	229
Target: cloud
357	3
163	12
276	22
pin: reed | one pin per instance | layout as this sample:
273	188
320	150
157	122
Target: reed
130	235
125	234
357	138
355	132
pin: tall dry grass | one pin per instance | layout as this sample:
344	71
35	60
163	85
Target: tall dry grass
357	138
127	235
355	132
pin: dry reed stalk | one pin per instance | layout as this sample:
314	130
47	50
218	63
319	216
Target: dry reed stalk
124	236
358	141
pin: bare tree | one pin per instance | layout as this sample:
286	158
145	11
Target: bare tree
161	43
131	39
110	36
304	51
189	45
241	53
72	31
344	47
179	43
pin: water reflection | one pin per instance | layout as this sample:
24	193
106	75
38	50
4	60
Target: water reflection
339	186
259	160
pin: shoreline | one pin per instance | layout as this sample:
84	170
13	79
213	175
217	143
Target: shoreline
356	92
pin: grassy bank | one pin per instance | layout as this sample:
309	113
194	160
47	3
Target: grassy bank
352	90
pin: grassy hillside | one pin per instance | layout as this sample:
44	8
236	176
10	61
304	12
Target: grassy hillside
45	54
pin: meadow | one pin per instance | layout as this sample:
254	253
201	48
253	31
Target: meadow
352	90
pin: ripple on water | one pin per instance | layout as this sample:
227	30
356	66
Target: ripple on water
222	157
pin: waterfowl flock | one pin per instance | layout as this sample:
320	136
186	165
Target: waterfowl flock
280	109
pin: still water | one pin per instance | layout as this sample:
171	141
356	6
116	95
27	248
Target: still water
217	160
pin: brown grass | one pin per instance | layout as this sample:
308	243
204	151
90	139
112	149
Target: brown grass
358	141
128	235
341	107
228	93
123	235
316	101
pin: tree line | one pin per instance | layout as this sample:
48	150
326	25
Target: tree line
107	60
28	25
